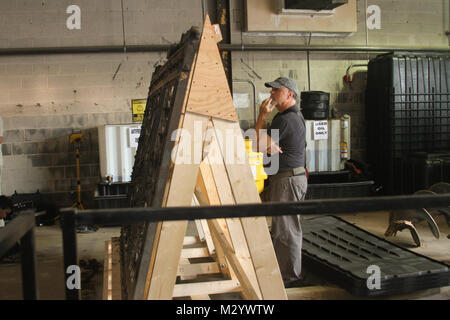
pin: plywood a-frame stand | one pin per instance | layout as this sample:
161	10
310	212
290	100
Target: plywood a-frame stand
209	166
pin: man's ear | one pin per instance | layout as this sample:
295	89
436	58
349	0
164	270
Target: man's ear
291	94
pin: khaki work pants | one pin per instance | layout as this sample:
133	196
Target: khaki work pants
286	230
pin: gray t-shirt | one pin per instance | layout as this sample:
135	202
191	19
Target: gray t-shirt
292	133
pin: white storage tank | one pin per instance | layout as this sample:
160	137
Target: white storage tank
324	139
117	148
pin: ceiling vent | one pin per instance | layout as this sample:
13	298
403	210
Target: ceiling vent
320	7
317	5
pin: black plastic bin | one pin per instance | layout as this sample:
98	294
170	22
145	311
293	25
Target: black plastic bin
407	111
421	170
336	184
111	202
347	255
315	105
115	188
339	190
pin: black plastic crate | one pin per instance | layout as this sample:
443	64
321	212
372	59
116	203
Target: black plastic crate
330	177
407	110
419	171
111	202
339	190
23	201
116	188
342	254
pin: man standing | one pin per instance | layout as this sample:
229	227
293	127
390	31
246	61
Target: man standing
290	182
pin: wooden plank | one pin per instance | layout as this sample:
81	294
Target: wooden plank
336	293
145	267
318	293
208	238
198	225
107	272
238	240
207	190
247	286
202	225
182	184
194	253
196	269
220	232
210	94
222	259
166	262
212	287
255	229
184	261
116	283
201	297
202	199
191	240
152	258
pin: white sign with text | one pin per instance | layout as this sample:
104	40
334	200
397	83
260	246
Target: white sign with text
135	132
320	130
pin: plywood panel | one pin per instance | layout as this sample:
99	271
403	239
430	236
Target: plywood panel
210	94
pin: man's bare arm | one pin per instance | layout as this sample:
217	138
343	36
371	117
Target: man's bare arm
264	141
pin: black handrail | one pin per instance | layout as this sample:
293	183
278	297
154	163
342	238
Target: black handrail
22	229
125	216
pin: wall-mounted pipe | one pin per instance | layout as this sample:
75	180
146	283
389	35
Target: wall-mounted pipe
263	47
308	63
229	47
348	76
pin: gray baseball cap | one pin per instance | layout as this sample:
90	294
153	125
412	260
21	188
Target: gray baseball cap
283	82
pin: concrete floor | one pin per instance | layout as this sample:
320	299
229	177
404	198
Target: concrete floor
92	246
50	265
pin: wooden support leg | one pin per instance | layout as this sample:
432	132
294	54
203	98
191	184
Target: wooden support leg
241	275
255	229
221	235
234	225
169	242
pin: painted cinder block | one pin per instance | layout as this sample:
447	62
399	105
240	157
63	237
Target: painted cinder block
13	136
41	160
37	134
6	149
24	148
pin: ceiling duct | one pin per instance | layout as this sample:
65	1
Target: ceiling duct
316	5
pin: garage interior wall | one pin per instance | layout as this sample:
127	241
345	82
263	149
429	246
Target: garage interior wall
44	98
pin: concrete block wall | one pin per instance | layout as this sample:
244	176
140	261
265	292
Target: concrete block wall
44	98
31	23
60	95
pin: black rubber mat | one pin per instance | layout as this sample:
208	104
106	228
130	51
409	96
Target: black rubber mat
350	257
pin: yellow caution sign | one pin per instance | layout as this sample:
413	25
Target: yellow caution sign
138	110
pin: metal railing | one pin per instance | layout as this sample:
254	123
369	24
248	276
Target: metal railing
125	216
22	229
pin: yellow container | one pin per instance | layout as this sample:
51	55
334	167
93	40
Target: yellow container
256	164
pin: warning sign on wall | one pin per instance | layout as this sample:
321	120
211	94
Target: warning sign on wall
134	133
320	130
138	109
